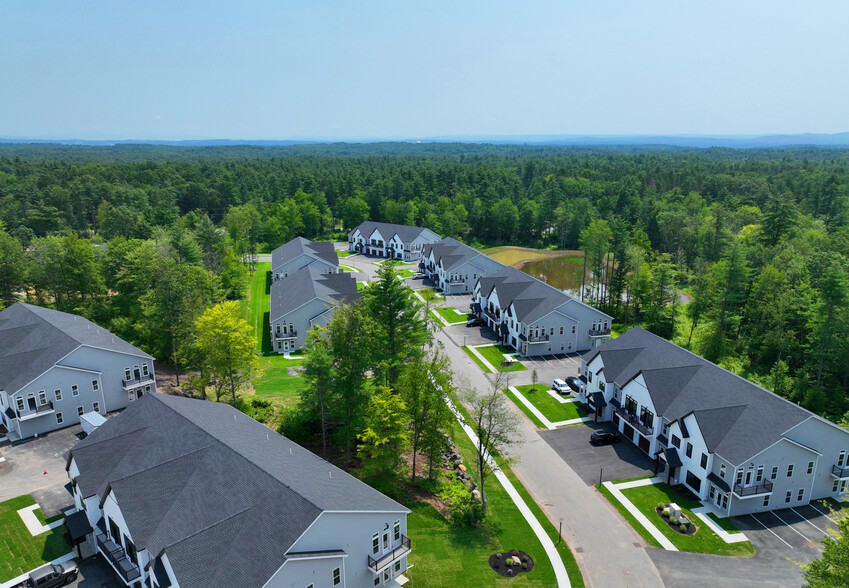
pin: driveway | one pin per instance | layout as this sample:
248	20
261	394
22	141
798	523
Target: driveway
37	467
96	573
619	461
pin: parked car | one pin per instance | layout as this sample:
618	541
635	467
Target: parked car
418	276
561	387
53	575
604	438
474	322
574	383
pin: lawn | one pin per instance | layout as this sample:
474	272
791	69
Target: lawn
553	410
724	523
445	556
361	286
345	253
405	273
20	552
255	307
451	315
276	384
646	498
494	354
350	268
427	292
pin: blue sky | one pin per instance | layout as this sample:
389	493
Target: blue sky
402	69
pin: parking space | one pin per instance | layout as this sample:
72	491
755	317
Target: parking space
96	573
568	364
463	335
787	533
619	461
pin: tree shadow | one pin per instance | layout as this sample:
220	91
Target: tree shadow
266	333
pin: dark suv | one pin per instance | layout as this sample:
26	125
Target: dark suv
604	438
53	575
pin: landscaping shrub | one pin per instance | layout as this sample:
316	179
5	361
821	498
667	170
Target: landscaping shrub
297	425
463	509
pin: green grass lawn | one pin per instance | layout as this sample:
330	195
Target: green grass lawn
428	292
451	315
20	552
344	253
362	285
404	273
494	354
724	523
350	268
646	498
553	410
255	307
445	556
276	384
47	520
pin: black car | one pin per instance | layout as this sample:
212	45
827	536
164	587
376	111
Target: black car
474	322
604	438
574	383
53	575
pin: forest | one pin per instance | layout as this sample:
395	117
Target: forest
740	255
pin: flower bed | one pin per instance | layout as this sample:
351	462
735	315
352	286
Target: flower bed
511	563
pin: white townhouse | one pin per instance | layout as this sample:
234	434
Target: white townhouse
299	253
535	318
304	299
729	441
455	267
185	493
55	367
390	240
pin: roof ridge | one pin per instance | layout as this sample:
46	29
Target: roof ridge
160	464
208	527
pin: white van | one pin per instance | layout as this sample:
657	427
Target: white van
561	387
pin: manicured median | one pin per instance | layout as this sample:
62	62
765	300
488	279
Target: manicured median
494	354
451	315
20	552
548	406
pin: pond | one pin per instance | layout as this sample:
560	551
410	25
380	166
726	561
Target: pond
563	272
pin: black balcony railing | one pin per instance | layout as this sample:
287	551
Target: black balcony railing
115	554
634	421
41	408
389	558
840	472
538	338
137	381
763	487
491	315
290	335
599	332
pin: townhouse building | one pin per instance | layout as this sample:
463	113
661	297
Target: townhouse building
729	441
455	267
56	366
389	240
535	318
185	493
299	253
306	298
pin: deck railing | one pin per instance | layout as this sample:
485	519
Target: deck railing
388	558
760	488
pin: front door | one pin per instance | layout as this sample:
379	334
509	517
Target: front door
628	432
748	477
31	402
644	444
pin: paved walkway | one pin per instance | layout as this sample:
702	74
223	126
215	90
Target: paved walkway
616	491
610	553
560	399
542	418
547	544
32	523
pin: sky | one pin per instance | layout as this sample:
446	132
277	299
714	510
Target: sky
368	69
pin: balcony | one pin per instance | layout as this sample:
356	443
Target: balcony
40	410
634	421
760	489
840	472
389	558
116	556
491	315
290	335
538	338
137	381
600	332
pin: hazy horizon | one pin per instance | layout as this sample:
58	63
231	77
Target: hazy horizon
393	71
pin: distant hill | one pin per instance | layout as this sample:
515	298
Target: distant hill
692	141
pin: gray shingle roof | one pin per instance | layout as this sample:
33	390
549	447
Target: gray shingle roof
451	252
737	418
307	284
33	339
387	230
322	250
221	494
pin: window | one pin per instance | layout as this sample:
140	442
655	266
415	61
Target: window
144	370
95	406
79	411
841	458
835	486
375	543
689	450
810	468
694	482
42	397
589	376
573	329
311	586
398	565
561	329
385	540
774	473
377	580
766	499
128	374
665	426
722	470
801	494
790	471
95	386
760	474
337	576
75	391
704	461
20	403
396	531
787	496
739	480
676	442
59	419
57	394
132	395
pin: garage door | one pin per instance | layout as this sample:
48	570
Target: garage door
628	432
643	443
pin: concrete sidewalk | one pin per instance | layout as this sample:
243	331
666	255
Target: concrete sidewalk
609	552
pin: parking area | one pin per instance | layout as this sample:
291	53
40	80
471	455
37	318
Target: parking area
37	467
96	573
789	532
568	365
619	461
